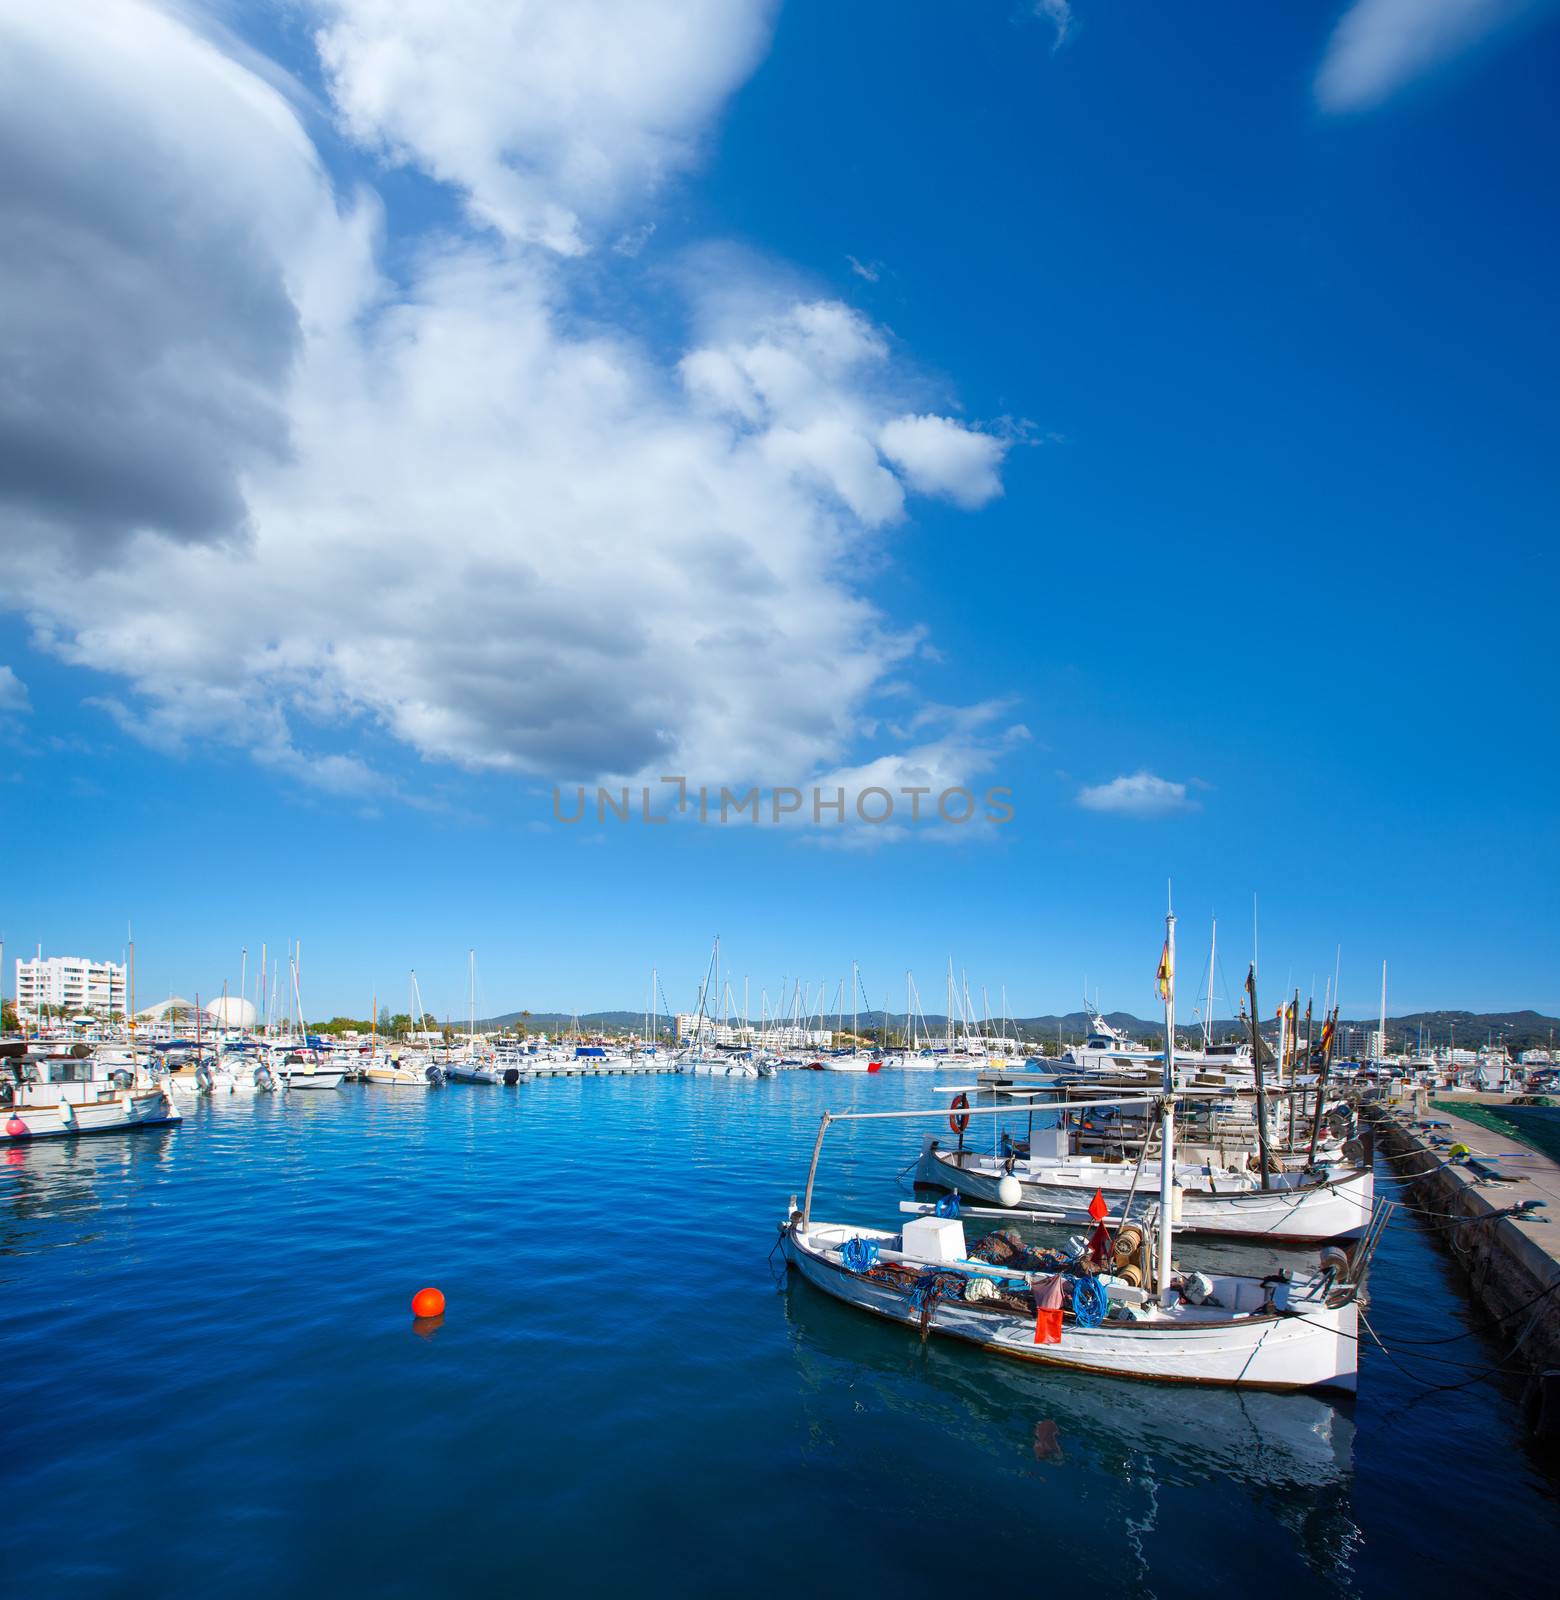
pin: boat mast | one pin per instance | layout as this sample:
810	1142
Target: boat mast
1381	1037
1261	1078
1167	1118
1213	952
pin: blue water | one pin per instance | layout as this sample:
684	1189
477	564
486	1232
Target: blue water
213	1385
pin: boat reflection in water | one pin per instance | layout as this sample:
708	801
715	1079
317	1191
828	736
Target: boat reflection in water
1240	1457
56	1184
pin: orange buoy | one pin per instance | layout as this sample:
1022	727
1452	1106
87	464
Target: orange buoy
428	1303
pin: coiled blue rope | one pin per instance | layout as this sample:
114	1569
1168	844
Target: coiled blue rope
948	1205
1090	1302
859	1254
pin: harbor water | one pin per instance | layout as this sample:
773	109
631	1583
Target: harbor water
213	1384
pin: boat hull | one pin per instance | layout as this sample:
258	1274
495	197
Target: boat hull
319	1078
1337	1209
135	1108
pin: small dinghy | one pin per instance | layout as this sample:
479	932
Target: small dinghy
457	1071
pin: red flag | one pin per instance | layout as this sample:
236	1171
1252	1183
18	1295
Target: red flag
1048	1310
1097	1207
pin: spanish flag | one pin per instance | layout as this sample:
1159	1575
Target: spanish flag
1319	1054
1164	979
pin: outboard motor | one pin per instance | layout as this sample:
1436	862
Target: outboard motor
435	1075
205	1080
511	1076
263	1079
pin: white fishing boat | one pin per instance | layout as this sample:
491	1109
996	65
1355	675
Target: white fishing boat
1295	1207
76	1091
1281	1332
1295	1334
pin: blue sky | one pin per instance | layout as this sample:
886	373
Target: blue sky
1153	420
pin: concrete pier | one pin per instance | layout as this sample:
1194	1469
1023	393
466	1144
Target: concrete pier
1510	1260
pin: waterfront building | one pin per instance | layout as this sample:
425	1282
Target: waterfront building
69	983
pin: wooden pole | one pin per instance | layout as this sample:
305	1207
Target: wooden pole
1256	1056
1321	1084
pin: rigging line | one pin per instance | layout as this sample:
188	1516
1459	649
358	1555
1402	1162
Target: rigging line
1478	1376
1468	1333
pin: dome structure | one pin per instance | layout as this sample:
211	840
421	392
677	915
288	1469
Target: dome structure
231	1012
173	1006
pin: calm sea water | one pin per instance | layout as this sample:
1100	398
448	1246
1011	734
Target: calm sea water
212	1383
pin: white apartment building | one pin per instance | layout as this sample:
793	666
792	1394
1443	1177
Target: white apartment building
70	983
780	1036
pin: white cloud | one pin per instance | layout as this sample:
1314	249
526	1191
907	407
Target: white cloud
941	457
948	748
1139	795
13	693
167	239
1059	14
1381	45
865	269
549	117
449	511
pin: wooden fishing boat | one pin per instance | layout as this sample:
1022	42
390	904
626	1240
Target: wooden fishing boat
1145	1320
1295	1334
1296	1207
60	1095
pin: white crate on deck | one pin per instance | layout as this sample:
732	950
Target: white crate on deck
938	1240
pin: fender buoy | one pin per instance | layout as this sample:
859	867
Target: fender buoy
16	1128
428	1303
955	1121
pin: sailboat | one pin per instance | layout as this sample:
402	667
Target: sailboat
301	1065
705	1056
410	1070
468	1068
1141	1319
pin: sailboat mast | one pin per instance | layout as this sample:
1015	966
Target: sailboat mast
1381	1037
1213	952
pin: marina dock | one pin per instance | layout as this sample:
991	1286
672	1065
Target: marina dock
1494	1202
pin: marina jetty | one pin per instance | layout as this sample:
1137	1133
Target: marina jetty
1494	1201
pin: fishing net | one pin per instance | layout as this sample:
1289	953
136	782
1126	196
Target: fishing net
1538	1127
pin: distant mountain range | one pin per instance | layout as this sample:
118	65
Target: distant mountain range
1518	1030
